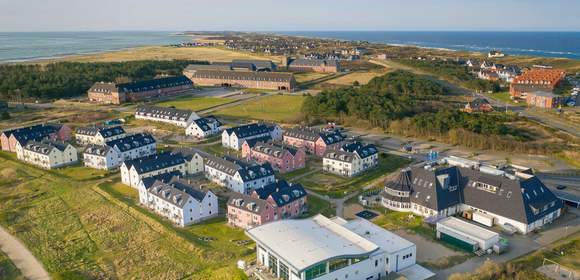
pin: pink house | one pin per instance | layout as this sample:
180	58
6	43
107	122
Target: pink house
273	202
314	141
9	138
283	159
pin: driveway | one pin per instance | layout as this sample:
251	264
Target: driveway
30	267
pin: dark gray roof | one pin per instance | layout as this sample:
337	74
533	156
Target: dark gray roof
155	162
35	132
312	134
478	102
204	123
281	192
45	146
177	191
302	62
106	132
523	200
97	150
362	150
248	130
254	64
195	67
132	142
166	113
339	155
231	166
248	203
166	177
139	86
244	75
252	142
273	149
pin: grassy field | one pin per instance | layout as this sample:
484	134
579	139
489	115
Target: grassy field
337	186
195	103
361	77
277	108
319	206
77	229
166	53
566	252
503	97
309	76
7	269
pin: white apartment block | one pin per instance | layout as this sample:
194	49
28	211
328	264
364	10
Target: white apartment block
204	127
179	201
133	171
102	157
234	138
351	160
237	176
48	154
177	117
98	135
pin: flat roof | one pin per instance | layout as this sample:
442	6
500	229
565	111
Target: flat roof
303	243
466	228
416	272
381	237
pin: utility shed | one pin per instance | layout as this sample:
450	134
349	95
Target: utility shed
466	235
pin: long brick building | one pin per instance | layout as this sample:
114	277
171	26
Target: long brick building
111	93
242	79
312	65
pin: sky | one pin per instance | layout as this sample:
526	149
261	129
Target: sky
290	15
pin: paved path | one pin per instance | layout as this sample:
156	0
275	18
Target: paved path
30	267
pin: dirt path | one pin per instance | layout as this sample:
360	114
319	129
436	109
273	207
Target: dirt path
30	267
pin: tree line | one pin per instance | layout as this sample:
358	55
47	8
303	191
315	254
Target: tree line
70	79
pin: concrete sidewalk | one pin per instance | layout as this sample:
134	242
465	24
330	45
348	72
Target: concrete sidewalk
30	267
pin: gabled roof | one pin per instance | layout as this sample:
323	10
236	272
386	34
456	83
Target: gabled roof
177	191
302	62
167	113
166	177
255	172
312	134
204	123
359	148
147	85
35	132
478	102
155	162
244	75
132	142
106	132
248	203
262	139
248	130
233	166
339	155
273	149
97	150
45	147
281	192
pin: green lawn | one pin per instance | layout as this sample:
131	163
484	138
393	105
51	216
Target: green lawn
319	206
196	103
7	269
503	97
277	108
77	229
337	186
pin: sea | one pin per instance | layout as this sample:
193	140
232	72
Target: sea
25	46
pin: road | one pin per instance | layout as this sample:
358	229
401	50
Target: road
30	267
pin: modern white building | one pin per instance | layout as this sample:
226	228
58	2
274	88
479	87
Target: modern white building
98	135
102	157
177	117
48	154
134	146
329	249
351	159
465	235
234	137
509	197
133	171
179	200
237	175
204	127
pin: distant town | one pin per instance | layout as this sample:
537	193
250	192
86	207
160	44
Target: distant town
271	166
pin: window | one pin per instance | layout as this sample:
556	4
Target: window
273	262
376	263
283	272
337	264
315	271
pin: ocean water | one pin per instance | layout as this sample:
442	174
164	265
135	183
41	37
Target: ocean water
545	44
22	46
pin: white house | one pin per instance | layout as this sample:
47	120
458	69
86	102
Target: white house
133	171
329	249
204	127
350	160
48	154
102	157
509	199
134	146
179	200
234	137
181	118
98	135
237	175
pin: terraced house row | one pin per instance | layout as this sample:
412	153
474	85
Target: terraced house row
350	159
112	93
112	154
314	141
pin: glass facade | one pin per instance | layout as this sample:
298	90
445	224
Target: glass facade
273	263
315	271
337	264
283	272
